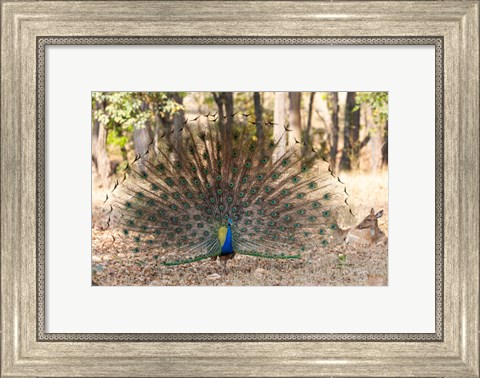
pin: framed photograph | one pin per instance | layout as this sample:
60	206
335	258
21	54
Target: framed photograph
183	177
240	188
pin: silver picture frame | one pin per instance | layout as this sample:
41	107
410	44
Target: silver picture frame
28	27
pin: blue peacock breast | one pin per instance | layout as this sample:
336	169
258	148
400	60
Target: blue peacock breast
227	247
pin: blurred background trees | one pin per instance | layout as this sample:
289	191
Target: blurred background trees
349	129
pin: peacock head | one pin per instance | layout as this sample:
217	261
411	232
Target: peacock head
230	222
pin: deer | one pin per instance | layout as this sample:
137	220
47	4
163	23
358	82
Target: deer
367	231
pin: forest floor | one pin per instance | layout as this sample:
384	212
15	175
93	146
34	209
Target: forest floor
341	265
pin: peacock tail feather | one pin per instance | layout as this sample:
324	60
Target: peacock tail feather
177	201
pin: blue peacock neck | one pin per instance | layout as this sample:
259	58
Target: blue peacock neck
227	247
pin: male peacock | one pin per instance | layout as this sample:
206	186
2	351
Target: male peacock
216	192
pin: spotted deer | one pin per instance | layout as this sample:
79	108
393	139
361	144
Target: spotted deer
367	231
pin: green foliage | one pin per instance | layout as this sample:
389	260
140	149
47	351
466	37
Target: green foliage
122	112
118	110
378	102
164	103
117	138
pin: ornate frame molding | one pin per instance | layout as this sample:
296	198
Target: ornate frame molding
453	26
43	42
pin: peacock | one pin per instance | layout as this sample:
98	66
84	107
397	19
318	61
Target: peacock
212	191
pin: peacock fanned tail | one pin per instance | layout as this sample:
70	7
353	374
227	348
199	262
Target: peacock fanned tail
172	205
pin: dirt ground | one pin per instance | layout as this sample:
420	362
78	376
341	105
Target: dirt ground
340	265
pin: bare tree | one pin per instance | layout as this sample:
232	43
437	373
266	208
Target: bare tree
99	150
306	135
258	115
142	136
178	120
224	101
351	133
279	116
159	128
335	129
385	145
95	130
295	118
356	144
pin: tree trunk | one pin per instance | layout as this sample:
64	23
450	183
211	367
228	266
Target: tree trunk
142	136
356	144
178	119
158	132
258	115
333	102
385	145
95	130
157	123
350	132
104	167
221	113
306	136
167	128
295	118
228	99
373	139
224	101
279	116
99	150
222	117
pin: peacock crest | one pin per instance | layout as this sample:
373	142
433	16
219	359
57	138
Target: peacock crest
216	192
